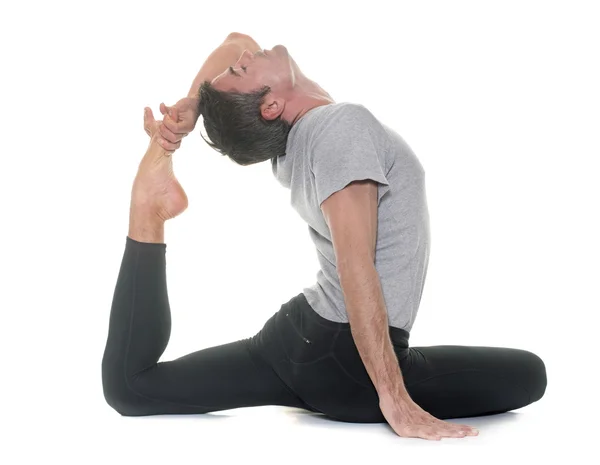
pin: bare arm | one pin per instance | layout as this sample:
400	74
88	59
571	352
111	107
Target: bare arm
221	58
180	119
351	214
352	217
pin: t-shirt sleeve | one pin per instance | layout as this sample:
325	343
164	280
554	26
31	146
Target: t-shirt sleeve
348	148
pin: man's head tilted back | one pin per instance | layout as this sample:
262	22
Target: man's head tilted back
249	109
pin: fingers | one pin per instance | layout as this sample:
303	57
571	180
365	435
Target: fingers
166	144
148	121
472	432
455	430
437	431
419	432
452	428
458	427
169	129
164	109
168	135
441	432
166	138
469	430
174	114
173	126
172	123
430	434
175	121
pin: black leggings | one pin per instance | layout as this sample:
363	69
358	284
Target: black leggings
297	359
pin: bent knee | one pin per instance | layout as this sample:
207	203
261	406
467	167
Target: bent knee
119	395
535	379
121	399
125	403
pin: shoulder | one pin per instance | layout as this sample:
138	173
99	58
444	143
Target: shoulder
340	118
347	112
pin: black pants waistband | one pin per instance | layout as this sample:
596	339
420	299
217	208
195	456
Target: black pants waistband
399	336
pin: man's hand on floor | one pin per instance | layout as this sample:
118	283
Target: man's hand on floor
409	420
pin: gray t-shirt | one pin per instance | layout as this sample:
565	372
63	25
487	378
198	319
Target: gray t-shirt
331	146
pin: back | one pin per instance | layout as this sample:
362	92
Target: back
331	146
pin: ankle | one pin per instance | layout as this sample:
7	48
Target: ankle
146	226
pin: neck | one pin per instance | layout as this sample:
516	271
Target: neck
306	95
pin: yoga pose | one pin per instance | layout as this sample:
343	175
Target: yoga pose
341	346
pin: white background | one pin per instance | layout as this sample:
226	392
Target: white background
500	102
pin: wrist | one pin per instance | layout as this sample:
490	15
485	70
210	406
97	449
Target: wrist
196	105
194	92
394	396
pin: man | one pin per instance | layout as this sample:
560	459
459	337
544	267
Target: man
341	346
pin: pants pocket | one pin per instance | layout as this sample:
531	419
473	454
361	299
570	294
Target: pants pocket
304	340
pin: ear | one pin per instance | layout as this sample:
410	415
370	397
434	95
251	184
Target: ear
272	107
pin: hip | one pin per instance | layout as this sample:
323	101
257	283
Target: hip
310	352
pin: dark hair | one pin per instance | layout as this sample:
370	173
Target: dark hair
236	128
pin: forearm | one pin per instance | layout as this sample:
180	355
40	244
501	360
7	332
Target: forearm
221	58
368	319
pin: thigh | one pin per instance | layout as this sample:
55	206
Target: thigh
301	348
217	378
451	381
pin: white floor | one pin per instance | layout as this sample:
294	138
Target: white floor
278	435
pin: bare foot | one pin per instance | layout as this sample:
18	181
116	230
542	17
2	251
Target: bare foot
156	190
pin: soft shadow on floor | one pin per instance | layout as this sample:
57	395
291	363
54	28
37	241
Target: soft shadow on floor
487	423
193	417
